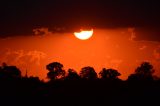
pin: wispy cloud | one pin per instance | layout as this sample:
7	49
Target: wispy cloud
42	31
21	57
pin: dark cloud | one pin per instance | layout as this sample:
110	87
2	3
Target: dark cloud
20	17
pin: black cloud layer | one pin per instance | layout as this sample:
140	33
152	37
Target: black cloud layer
20	17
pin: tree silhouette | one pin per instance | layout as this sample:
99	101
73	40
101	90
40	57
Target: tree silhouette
143	72
88	73
55	71
72	75
75	86
9	71
109	74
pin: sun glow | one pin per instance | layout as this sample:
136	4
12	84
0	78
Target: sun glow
84	35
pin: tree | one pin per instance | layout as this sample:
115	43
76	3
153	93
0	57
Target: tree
72	75
145	69
143	72
88	73
109	74
55	71
9	71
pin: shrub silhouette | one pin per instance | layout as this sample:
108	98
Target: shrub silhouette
109	74
55	71
88	73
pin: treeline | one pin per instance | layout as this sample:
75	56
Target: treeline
56	72
143	72
85	88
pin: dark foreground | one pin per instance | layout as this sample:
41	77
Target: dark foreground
83	89
31	91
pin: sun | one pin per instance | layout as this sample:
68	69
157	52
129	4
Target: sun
84	34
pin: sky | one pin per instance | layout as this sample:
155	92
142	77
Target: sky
107	48
34	33
20	17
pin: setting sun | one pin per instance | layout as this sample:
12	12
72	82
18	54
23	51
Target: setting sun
84	35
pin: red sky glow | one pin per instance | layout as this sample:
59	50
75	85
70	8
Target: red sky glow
109	48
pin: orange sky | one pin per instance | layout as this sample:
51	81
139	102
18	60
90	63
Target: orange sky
110	48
